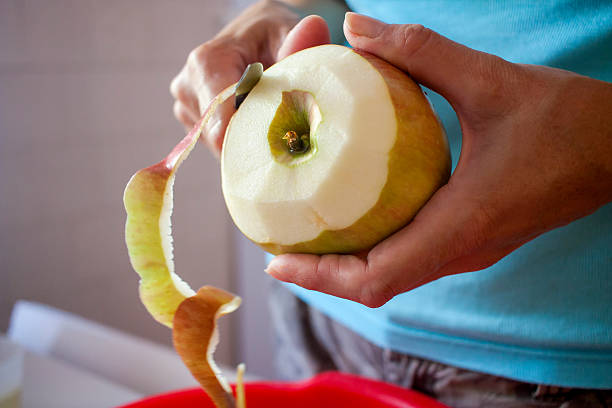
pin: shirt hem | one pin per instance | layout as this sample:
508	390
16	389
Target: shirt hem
564	368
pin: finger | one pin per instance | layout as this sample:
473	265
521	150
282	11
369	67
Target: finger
180	90
479	260
309	32
184	115
338	275
211	68
413	256
214	132
451	69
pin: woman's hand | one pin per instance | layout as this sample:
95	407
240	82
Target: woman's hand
263	33
536	155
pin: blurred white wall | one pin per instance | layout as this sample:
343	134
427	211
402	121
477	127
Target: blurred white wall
84	103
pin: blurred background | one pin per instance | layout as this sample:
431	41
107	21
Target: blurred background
84	103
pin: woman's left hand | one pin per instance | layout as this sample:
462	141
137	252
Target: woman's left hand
536	155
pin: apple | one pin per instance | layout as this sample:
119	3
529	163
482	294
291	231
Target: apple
331	152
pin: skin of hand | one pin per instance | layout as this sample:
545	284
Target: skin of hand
536	155
261	33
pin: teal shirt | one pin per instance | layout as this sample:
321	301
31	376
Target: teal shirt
543	314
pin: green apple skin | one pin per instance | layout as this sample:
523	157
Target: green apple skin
144	203
419	164
195	337
148	203
193	316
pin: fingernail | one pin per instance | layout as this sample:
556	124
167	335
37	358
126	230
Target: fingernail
279	268
364	26
214	125
272	267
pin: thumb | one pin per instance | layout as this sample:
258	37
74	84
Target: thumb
447	67
309	32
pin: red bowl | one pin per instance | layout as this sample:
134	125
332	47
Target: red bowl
331	389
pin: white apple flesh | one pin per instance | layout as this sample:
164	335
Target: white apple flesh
375	153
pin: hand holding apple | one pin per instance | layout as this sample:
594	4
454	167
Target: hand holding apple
536	155
258	34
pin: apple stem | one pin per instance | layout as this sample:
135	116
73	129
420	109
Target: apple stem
296	144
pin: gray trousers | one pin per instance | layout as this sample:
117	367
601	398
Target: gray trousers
309	342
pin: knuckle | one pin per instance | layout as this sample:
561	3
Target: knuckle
180	114
210	133
481	229
184	94
375	292
216	141
180	90
175	86
495	80
201	57
328	268
493	73
374	295
198	55
412	37
313	278
212	144
177	109
205	55
267	3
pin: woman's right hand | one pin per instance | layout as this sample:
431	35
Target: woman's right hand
265	32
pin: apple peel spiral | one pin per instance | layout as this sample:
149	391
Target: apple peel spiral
148	200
